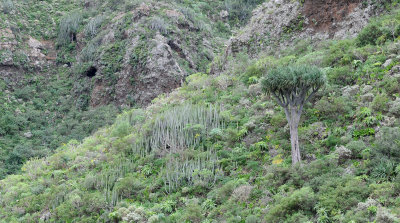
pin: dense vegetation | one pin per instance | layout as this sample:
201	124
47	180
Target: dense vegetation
218	150
50	105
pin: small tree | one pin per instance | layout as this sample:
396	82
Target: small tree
292	87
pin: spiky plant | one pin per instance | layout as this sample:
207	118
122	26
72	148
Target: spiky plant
177	129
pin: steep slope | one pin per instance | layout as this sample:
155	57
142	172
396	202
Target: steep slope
69	67
280	24
217	150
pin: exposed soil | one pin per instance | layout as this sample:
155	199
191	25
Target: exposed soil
324	14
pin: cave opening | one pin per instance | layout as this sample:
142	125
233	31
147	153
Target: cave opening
91	72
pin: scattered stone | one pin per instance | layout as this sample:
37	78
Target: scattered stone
223	14
45	216
144	9
343	153
317	130
7	39
28	134
362	206
349	170
173	13
369	97
387	63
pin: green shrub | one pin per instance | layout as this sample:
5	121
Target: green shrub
387	143
369	34
193	212
93	26
356	147
302	200
380	102
342	75
391	85
158	24
340	53
252	219
342	194
68	28
88	54
240	10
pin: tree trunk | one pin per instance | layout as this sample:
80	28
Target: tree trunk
293	119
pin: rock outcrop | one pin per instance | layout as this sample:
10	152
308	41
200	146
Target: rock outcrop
278	24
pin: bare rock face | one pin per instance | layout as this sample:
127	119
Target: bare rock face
164	73
161	74
278	24
162	57
267	23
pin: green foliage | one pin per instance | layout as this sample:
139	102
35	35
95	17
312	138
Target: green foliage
139	56
158	24
240	10
293	79
299	201
68	28
380	102
363	132
342	75
213	150
93	26
388	143
356	148
369	35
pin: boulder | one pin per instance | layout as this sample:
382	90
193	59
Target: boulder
28	134
387	63
343	153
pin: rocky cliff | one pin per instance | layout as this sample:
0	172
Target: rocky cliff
277	24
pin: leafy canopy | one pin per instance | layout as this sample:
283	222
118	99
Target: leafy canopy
293	83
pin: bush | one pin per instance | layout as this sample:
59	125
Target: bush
342	75
88	54
129	186
302	200
356	147
68	28
240	10
340	53
93	26
158	24
380	102
369	34
387	143
342	194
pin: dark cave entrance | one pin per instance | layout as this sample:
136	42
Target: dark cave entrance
91	72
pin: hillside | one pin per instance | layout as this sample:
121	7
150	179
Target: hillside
68	68
212	146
